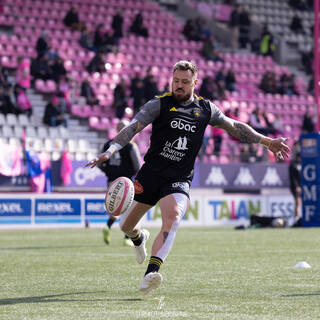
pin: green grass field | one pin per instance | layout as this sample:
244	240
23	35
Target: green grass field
211	273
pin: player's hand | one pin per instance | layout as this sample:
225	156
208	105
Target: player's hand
279	148
99	159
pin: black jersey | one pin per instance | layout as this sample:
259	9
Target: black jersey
177	133
124	163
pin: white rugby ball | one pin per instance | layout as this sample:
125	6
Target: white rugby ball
119	196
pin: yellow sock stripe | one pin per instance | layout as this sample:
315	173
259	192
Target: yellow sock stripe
155	261
137	237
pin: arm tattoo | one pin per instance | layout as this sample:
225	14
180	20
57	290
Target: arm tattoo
165	236
127	133
245	133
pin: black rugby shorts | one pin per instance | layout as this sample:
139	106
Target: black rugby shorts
150	188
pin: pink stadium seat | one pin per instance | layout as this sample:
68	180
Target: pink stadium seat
40	85
94	122
50	86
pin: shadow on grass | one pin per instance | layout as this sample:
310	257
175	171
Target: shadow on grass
55	298
46	247
301	294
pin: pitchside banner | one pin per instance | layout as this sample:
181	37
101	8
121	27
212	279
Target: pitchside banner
242	175
310	179
58	210
206	209
15	211
237	176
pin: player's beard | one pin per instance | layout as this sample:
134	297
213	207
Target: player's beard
181	96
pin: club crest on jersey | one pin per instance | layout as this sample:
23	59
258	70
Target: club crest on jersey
173	109
138	188
196	112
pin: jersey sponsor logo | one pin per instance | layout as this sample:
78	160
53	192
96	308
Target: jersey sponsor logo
183	125
173	109
244	178
138	188
173	150
271	178
181	185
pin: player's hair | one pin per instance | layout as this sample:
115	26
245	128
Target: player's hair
186	65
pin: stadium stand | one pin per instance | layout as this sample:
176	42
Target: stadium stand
26	19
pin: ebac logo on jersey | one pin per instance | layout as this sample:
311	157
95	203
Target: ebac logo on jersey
182	125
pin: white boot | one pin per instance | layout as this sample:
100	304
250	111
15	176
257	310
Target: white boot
141	251
151	281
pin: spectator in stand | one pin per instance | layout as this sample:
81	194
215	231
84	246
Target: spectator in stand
88	92
217	134
99	38
234	27
138	27
120	99
296	25
6	104
150	85
9	100
247	153
4	75
87	41
298	4
205	143
104	40
287	85
72	21
117	25
97	64
221	85
23	104
55	115
64	89
43	44
111	41
268	83
137	92
278	124
269	125
189	30
221	74
208	89
209	48
58	69
23	76
41	67
244	27
307	124
3	106
267	46
257	122
231	81
307	61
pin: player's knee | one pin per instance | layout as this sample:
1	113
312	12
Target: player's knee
170	220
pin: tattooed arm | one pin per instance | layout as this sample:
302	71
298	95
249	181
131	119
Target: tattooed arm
119	141
247	134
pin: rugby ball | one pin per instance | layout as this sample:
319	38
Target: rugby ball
119	196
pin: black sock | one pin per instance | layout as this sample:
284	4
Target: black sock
110	222
138	239
154	264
